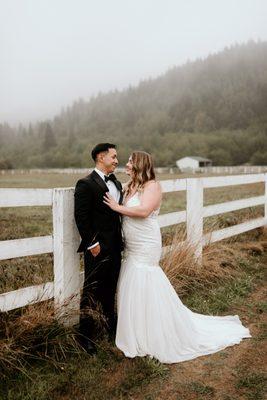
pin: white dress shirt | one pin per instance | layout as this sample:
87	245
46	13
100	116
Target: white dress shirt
113	191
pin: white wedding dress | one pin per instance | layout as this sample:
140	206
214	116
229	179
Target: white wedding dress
152	320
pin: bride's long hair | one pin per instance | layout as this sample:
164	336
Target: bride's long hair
143	171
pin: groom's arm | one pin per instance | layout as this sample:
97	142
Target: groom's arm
83	207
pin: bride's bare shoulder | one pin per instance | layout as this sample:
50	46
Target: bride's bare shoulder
152	185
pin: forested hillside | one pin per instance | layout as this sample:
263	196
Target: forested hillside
214	107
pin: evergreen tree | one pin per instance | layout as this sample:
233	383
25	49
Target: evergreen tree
49	138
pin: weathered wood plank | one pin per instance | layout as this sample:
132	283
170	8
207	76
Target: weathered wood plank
224	233
219	181
172	218
25	247
194	213
173	185
25	296
66	258
10	197
220	208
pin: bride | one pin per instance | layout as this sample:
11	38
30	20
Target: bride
152	320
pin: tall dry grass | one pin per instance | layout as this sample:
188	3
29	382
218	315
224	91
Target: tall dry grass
33	333
220	260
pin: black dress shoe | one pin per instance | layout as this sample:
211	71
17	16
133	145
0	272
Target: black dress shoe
87	345
112	336
90	348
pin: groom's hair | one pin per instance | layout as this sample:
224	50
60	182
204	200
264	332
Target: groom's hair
100	148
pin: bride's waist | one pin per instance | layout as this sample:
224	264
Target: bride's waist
145	242
148	227
139	259
152	218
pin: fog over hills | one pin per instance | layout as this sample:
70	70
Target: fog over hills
213	107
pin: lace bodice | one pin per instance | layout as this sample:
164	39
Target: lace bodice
142	235
135	201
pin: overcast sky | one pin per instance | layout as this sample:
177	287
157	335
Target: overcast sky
55	51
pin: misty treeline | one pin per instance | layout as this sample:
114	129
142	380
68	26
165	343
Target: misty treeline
214	107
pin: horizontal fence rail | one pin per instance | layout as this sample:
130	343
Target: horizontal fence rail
25	197
68	279
25	247
28	295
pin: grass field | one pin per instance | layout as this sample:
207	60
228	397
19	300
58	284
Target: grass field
231	281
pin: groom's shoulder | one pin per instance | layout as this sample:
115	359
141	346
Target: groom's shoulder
85	181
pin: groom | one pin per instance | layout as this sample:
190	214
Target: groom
100	231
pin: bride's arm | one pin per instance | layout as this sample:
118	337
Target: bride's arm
150	200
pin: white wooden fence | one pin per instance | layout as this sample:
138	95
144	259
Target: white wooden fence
65	288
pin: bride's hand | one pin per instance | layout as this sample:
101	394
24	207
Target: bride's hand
109	201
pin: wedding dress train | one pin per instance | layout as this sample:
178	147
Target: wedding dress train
152	320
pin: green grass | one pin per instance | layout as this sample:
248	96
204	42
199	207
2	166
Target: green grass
220	297
144	370
204	391
83	377
254	384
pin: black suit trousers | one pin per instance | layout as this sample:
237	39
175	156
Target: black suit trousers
100	281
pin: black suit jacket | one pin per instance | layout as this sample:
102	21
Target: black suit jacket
95	221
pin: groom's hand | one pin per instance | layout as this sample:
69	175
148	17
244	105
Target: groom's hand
95	251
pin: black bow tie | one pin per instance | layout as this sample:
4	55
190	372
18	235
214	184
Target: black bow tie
110	177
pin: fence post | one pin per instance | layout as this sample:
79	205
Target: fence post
194	215
66	258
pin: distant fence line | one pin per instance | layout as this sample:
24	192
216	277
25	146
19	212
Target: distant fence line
64	241
159	170
236	169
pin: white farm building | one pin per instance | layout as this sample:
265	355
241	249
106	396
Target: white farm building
192	163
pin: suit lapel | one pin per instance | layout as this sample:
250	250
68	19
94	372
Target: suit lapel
99	181
104	187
